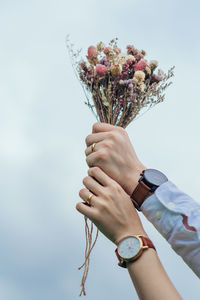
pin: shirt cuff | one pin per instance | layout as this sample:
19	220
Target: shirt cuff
166	204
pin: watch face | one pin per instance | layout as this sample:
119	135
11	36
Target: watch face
129	247
154	177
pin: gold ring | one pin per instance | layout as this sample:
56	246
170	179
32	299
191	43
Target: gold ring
93	146
89	199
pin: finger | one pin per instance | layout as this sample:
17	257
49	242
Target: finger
87	196
95	146
102	127
86	210
92	159
95	138
92	185
99	175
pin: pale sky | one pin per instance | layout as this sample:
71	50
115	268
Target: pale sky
43	125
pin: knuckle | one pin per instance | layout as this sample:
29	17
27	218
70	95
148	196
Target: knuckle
102	155
102	207
111	134
87	139
120	129
85	180
93	171
95	126
117	188
78	205
109	144
88	161
81	193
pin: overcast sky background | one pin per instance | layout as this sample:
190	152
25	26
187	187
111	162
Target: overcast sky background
43	125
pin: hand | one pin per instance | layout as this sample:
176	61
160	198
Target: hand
114	154
111	208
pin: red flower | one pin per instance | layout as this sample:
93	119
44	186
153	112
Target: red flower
92	52
101	70
140	66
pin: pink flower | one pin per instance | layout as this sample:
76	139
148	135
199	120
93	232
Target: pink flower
92	52
156	78
140	66
107	50
101	70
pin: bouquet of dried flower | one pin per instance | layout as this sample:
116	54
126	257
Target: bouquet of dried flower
120	86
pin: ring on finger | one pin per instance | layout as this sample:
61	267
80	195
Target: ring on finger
93	147
89	199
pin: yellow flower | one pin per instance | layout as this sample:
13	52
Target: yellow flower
148	70
135	81
100	46
116	69
153	64
122	58
143	52
139	75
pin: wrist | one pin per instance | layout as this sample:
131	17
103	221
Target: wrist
132	179
136	231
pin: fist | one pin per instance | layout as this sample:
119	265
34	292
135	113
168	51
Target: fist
109	148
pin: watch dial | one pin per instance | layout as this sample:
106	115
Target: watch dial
154	177
129	247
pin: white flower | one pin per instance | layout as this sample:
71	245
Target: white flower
122	58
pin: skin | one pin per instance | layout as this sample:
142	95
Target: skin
111	142
111	209
113	213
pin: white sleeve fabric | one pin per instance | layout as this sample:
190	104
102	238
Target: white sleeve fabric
165	210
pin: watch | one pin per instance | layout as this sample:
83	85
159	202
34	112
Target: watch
149	181
130	248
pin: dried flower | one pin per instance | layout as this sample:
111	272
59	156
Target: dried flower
138	55
101	70
135	80
93	61
131	50
141	65
139	75
83	66
116	49
122	59
148	70
153	64
100	46
156	78
92	52
103	61
143	52
160	73
107	50
116	69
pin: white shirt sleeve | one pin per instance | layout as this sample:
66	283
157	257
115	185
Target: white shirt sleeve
165	209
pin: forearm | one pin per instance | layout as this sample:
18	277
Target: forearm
150	279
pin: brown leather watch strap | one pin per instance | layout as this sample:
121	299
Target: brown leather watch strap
147	242
121	262
141	192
